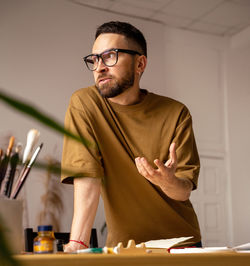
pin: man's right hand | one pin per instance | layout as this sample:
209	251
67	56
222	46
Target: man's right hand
86	198
71	247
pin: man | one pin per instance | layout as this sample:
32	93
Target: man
145	162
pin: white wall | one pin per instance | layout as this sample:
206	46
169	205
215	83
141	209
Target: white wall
211	76
239	132
41	49
194	65
194	75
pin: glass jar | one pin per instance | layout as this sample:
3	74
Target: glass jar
45	240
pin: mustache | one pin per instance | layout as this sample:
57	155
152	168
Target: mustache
103	77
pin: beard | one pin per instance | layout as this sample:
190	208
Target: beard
116	87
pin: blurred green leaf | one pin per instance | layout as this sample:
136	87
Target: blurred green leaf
32	111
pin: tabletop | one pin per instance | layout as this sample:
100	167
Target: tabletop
154	259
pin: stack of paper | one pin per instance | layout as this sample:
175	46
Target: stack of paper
166	243
163	245
171	245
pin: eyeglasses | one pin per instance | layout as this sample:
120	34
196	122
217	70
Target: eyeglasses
109	58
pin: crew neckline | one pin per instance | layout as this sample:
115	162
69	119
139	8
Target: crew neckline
130	108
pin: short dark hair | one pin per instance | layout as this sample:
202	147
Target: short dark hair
125	29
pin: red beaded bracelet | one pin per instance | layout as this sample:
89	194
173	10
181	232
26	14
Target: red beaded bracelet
80	242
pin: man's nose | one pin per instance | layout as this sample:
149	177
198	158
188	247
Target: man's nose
101	67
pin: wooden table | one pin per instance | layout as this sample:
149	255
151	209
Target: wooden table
204	259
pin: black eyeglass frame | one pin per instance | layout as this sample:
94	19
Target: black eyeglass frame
117	50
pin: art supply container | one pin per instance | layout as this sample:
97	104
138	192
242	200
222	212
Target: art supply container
11	223
45	240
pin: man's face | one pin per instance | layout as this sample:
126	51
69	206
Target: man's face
112	81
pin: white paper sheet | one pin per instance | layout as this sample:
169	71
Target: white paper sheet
198	250
165	243
245	247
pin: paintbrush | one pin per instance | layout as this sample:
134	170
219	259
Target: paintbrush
32	139
23	177
9	178
5	161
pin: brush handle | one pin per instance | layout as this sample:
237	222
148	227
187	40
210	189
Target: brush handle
13	163
5	161
20	183
25	173
3	168
20	177
11	143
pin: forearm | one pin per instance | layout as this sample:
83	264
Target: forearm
178	189
86	199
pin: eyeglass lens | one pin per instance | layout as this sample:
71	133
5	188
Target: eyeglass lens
109	58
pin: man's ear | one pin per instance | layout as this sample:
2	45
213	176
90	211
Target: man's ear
141	64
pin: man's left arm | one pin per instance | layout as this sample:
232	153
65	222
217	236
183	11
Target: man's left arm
178	176
177	188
